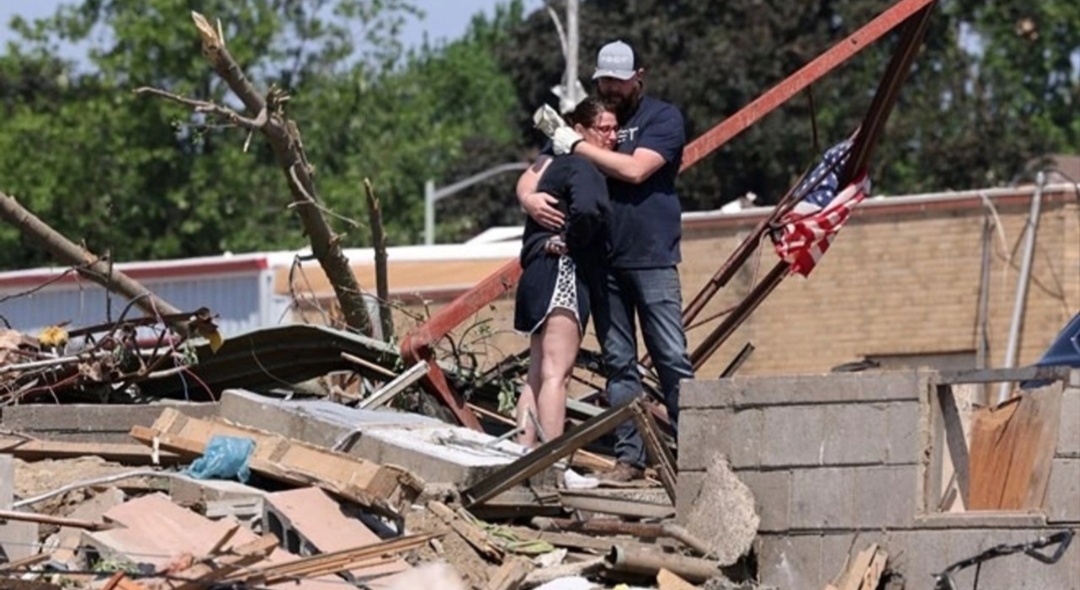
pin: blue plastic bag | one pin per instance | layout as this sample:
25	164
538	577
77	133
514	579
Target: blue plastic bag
225	457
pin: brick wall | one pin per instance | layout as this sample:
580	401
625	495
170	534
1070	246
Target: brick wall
839	459
902	278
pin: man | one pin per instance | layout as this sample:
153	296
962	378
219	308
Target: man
645	231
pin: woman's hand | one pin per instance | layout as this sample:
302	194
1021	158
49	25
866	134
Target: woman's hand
555	245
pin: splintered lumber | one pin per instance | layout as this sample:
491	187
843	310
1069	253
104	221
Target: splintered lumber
472	534
381	487
655	448
25	562
203	574
510	575
29	449
547	455
865	571
328	563
120	581
1012	447
668	580
57	520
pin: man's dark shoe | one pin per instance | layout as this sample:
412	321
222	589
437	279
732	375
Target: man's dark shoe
622	473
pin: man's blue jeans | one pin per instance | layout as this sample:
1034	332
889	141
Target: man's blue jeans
654	297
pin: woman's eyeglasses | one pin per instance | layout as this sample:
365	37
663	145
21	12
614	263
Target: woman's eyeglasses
605	129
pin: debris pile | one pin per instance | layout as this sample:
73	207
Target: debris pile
269	486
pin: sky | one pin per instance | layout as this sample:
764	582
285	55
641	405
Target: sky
445	19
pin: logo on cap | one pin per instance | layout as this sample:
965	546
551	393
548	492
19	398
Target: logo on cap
615	60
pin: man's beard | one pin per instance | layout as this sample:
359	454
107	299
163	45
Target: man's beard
623	106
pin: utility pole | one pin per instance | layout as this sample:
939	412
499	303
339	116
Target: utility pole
570	92
572	86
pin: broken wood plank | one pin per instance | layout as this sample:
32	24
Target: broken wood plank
202	575
25	562
547	455
120	581
382	487
853	578
1012	448
669	580
603	502
472	534
510	575
29	449
955	440
657	451
328	563
75	523
872	576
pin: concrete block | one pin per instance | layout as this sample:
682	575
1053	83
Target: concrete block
926	553
735	433
852	434
981	520
792	436
772	497
65	555
307	521
316	422
17	539
1069	431
822	498
791	562
804	389
101	423
687	488
200	492
436	452
885	497
1063	492
901	433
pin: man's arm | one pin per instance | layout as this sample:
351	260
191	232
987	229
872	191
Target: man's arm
539	206
634	168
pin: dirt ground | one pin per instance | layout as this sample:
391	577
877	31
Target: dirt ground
40	477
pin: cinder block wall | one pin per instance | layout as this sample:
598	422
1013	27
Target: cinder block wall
839	459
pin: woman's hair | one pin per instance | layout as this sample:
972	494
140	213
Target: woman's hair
586	112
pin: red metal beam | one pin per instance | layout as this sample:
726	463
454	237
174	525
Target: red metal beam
418	344
712	139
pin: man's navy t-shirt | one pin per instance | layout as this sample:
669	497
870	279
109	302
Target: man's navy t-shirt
646	219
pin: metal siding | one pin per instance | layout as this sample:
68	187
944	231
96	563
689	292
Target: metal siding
236	299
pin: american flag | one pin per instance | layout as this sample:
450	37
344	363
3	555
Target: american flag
805	233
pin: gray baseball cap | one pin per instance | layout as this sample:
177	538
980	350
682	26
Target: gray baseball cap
615	60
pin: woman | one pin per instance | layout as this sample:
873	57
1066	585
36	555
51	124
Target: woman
560	270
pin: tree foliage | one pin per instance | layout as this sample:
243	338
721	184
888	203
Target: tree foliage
995	86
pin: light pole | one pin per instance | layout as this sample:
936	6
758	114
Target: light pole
432	194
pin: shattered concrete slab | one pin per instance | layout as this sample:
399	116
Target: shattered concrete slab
723	514
98	423
436	452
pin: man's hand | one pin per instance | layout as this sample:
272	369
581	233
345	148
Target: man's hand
541	207
565	140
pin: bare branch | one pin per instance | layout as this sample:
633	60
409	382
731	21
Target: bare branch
202	106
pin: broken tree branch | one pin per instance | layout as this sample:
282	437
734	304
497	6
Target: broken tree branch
284	138
86	264
202	106
378	242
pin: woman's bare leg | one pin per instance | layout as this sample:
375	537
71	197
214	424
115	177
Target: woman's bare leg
560	342
527	401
